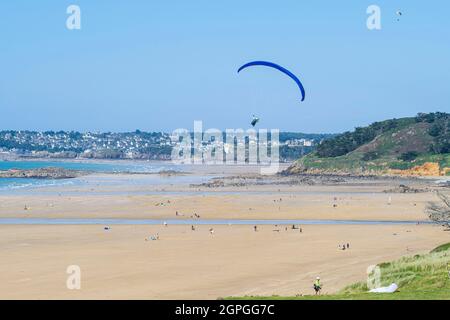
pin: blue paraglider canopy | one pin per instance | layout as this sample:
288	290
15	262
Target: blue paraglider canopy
279	68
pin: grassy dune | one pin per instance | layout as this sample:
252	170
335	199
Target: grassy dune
419	277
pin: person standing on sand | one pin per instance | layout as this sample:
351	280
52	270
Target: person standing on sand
317	286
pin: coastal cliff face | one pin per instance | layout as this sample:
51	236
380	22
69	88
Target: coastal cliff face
42	173
427	169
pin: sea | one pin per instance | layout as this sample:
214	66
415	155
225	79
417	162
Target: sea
10	184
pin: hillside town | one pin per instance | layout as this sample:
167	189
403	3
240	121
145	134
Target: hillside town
127	145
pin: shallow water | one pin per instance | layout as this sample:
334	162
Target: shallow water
56	221
94	166
18	184
15	184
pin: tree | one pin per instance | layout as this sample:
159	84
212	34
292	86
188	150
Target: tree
370	155
409	156
440	212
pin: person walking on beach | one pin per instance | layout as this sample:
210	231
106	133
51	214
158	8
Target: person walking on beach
317	286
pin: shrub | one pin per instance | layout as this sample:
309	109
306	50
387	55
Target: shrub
371	155
409	156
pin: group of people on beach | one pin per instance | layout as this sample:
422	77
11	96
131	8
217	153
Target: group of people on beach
344	246
153	237
193	216
294	227
317	285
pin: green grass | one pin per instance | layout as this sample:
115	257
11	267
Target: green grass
444	247
419	277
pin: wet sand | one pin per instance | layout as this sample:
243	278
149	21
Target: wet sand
252	202
294	204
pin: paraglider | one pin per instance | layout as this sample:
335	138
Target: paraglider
254	121
399	14
279	68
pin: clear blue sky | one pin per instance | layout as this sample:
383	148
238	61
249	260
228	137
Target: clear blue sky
160	65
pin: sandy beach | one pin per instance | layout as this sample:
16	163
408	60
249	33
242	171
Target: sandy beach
122	263
185	264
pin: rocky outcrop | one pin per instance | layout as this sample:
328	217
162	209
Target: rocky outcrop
299	169
406	189
42	173
293	169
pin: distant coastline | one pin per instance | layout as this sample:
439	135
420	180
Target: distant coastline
136	145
